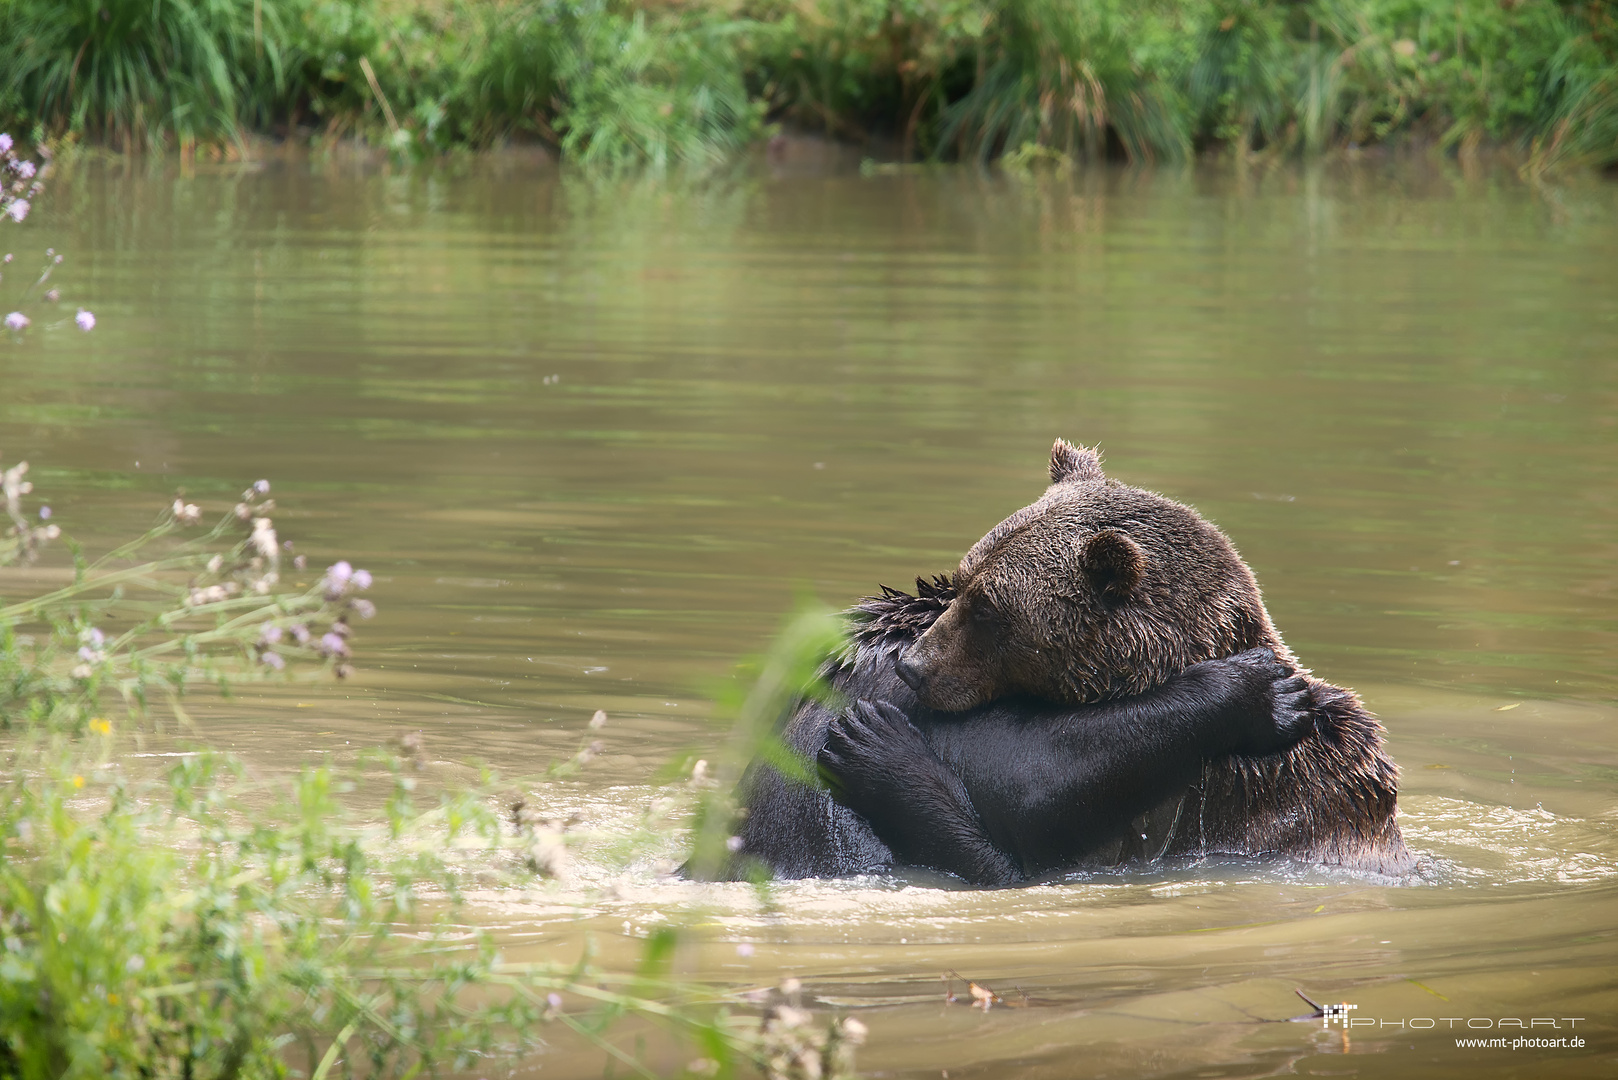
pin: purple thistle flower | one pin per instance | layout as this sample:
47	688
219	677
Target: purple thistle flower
270	634
85	319
337	579
362	579
300	633
553	999
17	321
44	513
365	609
25	169
333	645
261	486
52	295
5	144
96	638
274	660
18	210
87	654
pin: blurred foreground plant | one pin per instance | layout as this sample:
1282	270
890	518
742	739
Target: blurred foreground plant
765	691
164	612
210	927
200	924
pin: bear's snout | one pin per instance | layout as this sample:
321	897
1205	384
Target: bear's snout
909	671
943	678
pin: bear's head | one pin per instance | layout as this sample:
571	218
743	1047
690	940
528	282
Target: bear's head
1098	590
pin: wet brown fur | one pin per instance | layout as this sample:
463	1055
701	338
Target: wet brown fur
1100	590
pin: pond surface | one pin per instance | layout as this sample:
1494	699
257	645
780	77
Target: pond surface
593	440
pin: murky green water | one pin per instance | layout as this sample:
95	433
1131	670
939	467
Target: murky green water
593	440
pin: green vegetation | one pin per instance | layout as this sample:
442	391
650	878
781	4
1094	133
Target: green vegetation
193	923
617	84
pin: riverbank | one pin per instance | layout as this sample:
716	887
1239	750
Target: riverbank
692	83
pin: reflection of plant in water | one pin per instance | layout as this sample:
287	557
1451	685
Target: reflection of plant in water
201	924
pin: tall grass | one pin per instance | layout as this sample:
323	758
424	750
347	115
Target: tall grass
666	90
612	82
1064	76
134	71
1578	120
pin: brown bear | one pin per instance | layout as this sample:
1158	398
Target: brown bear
1100	590
1098	683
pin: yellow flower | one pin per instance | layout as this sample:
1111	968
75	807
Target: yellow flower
100	726
78	781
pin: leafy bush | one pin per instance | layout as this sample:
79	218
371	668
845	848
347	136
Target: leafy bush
1064	76
664	91
856	67
512	80
1578	117
325	41
1239	83
1463	72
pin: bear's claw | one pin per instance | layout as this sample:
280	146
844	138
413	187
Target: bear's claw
1292	706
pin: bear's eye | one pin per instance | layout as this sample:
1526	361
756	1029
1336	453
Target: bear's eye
983	615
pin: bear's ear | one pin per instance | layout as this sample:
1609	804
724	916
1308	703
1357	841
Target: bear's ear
1114	563
1071	463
